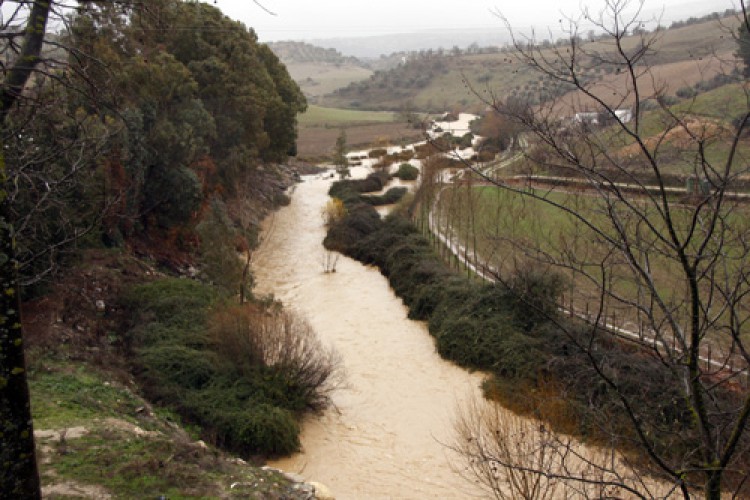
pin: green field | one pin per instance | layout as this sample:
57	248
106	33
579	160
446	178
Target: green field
321	116
510	231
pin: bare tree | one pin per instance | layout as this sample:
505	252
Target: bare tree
19	476
674	263
516	457
32	81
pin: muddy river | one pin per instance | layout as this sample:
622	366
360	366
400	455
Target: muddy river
386	435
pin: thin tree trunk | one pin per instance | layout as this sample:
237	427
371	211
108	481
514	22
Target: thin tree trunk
19	477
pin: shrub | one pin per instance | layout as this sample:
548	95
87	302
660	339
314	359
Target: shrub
346	190
535	293
686	92
284	345
243	379
361	220
333	211
407	172
393	195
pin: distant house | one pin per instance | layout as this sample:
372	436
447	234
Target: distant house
589	118
624	115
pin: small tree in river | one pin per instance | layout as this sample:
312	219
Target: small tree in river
339	156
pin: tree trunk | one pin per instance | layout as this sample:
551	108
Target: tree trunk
713	484
19	477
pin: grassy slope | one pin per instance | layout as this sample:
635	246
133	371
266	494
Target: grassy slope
96	436
317	79
506	225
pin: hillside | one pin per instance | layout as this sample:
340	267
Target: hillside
123	228
301	52
319	71
437	80
97	436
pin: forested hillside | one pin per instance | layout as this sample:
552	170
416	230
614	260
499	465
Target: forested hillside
146	123
141	143
301	52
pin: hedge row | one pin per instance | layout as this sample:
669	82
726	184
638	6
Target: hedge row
514	332
393	195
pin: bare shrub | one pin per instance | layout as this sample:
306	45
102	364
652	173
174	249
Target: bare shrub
515	457
333	211
252	337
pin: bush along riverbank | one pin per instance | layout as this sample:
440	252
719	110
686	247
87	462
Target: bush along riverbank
243	373
513	331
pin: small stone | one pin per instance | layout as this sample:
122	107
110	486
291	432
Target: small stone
295	478
321	491
241	485
100	306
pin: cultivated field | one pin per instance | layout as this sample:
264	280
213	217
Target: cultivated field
319	128
320	78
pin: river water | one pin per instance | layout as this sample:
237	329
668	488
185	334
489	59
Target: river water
386	435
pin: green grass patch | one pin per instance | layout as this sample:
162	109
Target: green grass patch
322	116
64	395
128	466
725	103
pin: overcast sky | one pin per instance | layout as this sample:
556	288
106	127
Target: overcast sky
311	19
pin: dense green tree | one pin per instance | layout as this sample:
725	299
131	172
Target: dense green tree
242	84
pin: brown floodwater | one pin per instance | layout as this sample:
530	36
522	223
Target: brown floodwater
386	434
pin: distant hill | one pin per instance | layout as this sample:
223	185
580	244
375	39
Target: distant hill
372	47
436	80
319	71
301	52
